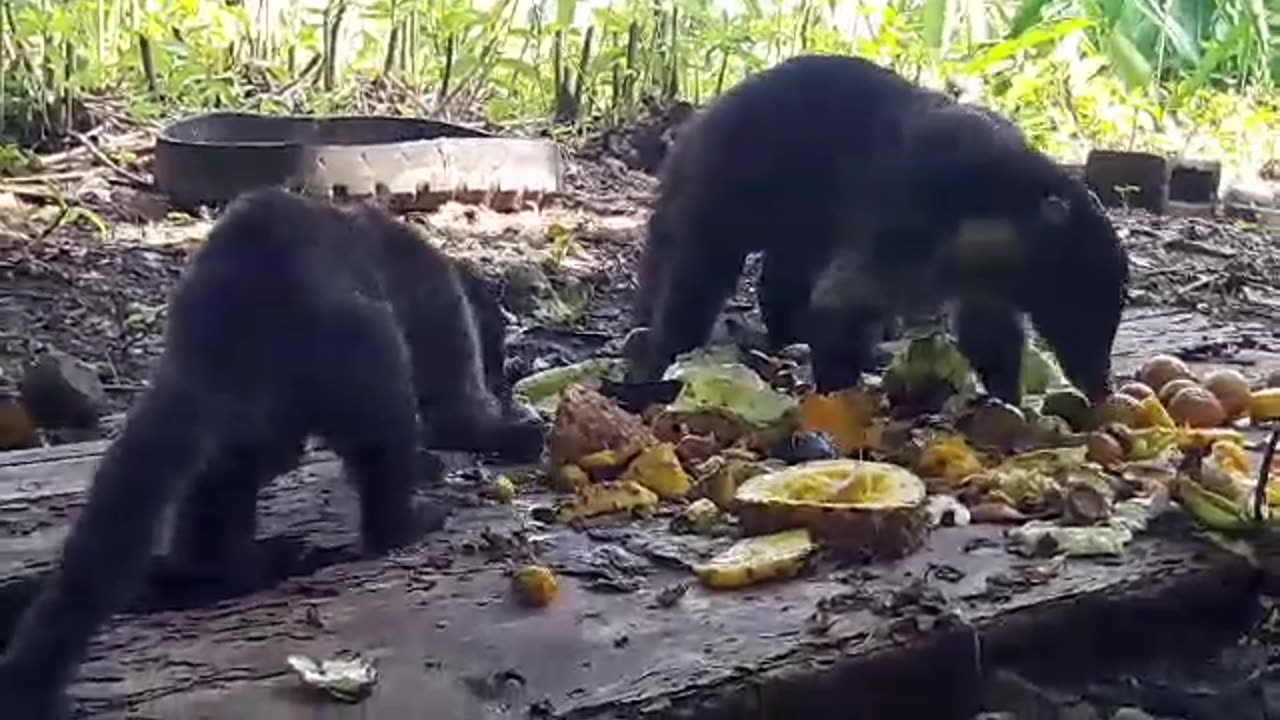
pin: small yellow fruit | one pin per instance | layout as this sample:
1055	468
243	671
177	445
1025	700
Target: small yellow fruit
1232	390
536	585
1173	387
1196	407
503	489
1161	369
1264	405
1136	390
1122	408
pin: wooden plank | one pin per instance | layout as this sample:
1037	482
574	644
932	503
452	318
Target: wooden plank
440	620
441	624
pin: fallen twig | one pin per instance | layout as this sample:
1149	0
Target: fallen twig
35	192
133	178
62	176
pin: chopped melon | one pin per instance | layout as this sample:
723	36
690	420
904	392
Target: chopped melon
870	510
757	559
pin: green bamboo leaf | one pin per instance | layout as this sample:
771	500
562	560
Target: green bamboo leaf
1133	68
934	19
1008	48
1028	16
1182	42
565	10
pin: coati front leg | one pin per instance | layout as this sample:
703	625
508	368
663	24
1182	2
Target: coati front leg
491	327
448	339
845	321
990	334
361	400
698	280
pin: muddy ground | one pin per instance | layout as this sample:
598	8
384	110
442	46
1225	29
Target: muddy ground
94	284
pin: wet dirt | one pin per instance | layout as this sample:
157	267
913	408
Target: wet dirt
94	285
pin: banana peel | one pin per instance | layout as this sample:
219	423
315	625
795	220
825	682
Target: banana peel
1211	509
1152	414
1264	405
758	559
542	390
1152	442
1190	438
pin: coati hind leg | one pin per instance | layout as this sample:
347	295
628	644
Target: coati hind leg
216	522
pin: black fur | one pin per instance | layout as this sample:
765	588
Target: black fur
819	149
295	319
991	227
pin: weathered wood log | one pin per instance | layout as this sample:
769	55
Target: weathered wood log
1195	181
451	642
1129	179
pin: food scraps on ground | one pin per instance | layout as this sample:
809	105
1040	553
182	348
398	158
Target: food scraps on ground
594	433
658	469
535	585
849	417
503	489
700	516
757	559
607	497
347	678
870	510
543	390
1072	478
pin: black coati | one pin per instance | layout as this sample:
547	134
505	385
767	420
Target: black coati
294	319
821	152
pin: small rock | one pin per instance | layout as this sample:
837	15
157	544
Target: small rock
1130	713
523	285
634	343
805	446
61	391
17	429
1079	711
696	448
796	352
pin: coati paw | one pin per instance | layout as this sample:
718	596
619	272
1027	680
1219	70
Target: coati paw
22	698
422	518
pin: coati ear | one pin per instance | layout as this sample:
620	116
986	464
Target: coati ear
1055	210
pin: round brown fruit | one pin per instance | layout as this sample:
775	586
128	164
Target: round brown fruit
1136	390
1161	369
1232	390
1173	387
1104	449
1123	409
1196	407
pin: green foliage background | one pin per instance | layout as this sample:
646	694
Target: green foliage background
1180	76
